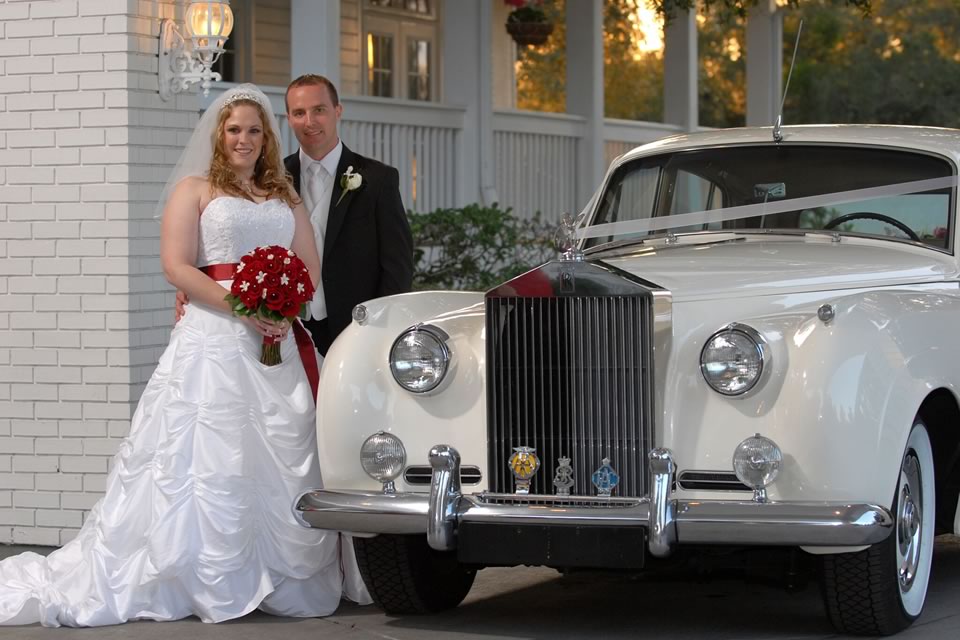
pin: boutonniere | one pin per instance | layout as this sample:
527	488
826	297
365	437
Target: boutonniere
349	181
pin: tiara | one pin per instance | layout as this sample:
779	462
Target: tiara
243	95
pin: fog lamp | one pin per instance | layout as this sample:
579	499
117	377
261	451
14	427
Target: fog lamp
756	461
383	457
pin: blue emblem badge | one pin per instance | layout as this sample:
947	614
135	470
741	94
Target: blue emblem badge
605	479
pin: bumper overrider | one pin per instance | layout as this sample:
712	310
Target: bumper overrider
665	521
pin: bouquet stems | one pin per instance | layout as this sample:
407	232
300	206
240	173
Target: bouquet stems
270	353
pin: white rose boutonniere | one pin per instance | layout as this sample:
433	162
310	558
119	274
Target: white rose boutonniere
349	181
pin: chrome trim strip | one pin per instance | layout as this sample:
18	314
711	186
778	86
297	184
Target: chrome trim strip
422	474
444	497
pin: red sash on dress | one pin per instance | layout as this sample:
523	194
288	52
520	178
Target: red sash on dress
308	352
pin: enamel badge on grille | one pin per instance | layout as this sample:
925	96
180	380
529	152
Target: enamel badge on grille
563	478
605	479
524	464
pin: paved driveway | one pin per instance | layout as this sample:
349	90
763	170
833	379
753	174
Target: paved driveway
539	603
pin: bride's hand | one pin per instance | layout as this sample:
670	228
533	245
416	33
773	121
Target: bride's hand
269	328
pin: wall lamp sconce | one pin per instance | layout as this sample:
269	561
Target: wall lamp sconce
209	25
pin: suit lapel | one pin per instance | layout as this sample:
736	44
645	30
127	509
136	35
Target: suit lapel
292	164
337	211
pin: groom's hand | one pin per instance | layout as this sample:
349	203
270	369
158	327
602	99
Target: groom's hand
182	301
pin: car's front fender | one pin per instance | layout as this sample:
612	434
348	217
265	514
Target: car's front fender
358	395
841	399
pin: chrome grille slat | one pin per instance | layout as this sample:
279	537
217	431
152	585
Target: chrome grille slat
570	375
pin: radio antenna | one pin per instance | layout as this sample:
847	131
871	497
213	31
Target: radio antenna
777	133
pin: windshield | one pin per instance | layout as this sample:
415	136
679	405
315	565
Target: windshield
771	176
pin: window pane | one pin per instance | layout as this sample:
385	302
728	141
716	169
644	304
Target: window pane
418	69
380	65
413	6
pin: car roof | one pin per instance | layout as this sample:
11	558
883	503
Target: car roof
941	141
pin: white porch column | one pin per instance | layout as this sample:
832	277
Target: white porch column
680	99
764	63
468	82
585	91
315	38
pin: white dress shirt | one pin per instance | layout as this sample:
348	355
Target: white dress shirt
316	188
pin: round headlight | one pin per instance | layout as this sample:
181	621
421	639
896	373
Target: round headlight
382	456
756	461
732	360
419	358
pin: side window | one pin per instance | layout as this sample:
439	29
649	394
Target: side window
630	196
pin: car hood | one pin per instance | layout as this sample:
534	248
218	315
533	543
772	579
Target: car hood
750	266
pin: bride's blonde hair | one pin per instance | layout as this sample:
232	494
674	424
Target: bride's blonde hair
269	175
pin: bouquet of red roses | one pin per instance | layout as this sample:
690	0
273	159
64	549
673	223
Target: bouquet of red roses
271	283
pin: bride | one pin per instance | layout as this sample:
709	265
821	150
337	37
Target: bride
197	517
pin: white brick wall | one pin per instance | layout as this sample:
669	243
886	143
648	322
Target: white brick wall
86	144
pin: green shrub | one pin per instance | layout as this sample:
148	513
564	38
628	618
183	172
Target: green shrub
476	247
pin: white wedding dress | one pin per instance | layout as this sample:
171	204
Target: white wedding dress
197	517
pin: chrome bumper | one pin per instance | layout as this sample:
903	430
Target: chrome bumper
668	522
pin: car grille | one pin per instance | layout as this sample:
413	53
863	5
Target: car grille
570	376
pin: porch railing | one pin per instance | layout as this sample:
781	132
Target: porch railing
535	161
422	140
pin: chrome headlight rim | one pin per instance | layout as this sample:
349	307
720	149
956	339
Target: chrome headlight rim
763	351
442	339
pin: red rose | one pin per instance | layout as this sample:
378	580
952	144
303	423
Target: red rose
273	266
289	308
274	300
250	298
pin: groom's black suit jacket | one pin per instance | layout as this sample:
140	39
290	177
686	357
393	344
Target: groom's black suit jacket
367	247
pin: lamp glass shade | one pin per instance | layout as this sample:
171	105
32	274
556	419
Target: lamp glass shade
209	20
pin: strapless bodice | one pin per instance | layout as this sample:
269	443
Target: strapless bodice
231	227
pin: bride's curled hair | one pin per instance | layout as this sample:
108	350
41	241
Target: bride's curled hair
269	175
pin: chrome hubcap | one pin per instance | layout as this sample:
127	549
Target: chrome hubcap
909	522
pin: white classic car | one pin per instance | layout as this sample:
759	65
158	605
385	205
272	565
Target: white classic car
750	340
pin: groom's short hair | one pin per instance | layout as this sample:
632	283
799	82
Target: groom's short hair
312	80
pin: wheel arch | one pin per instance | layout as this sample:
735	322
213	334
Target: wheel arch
940	412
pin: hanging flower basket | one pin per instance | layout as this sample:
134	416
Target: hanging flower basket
529	33
528	24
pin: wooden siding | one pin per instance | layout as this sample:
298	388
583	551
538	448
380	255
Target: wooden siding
271	42
351	57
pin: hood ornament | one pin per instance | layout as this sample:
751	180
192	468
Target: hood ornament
565	238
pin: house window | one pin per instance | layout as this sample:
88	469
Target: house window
400	49
418	69
380	65
414	6
258	50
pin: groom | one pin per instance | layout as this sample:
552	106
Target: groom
362	233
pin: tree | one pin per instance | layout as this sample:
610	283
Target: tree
902	66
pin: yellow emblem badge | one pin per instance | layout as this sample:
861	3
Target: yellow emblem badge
523	464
